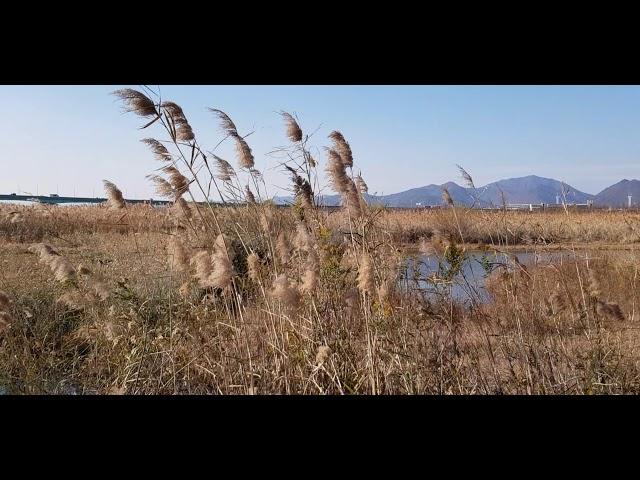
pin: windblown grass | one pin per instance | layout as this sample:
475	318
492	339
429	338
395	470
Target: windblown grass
249	298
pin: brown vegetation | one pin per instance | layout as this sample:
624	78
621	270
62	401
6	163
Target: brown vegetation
249	298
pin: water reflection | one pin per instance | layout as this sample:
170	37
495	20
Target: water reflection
468	284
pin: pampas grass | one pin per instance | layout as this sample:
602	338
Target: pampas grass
63	270
179	182
301	189
283	290
162	187
322	354
74	301
249	196
178	254
136	102
341	183
446	197
253	267
203	265
222	274
179	126
159	151
114	195
361	184
226	124
365	275
243	152
294	132
311	273
182	208
225	170
342	148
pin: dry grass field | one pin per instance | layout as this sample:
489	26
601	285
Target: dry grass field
253	299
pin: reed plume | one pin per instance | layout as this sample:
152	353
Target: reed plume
467	178
342	184
178	254
365	274
253	267
250	197
283	290
226	124
174	111
361	184
96	283
62	269
179	126
294	132
162	187
16	217
114	196
243	152
159	151
179	182
182	207
311	273
302	240
446	197
99	288
73	300
225	171
136	102
301	189
322	354
342	147
184	132
203	268
222	273
268	221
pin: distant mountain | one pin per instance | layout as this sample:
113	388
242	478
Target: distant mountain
429	195
529	189
617	195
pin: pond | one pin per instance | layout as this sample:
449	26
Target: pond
468	282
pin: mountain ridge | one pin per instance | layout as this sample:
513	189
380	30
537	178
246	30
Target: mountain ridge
527	189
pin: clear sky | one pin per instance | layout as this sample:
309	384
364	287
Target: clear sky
66	139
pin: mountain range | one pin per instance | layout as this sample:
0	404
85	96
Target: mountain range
529	189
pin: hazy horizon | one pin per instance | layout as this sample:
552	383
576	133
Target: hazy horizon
66	139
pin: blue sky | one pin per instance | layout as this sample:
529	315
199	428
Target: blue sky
66	139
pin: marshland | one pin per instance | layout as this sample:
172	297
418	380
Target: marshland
240	296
